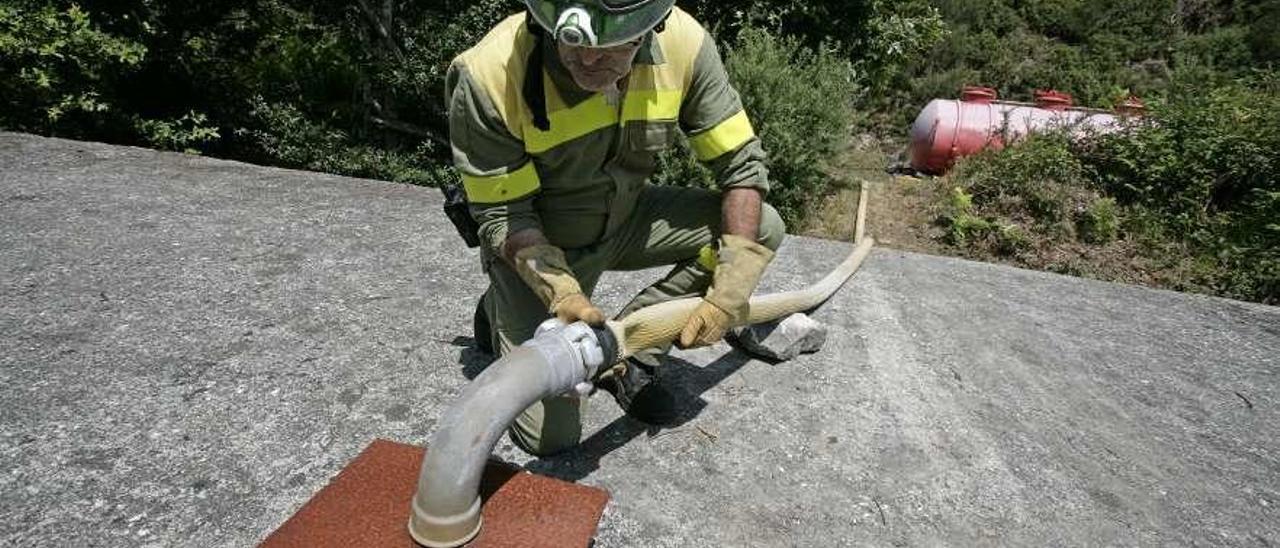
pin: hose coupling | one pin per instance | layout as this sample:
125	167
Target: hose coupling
594	346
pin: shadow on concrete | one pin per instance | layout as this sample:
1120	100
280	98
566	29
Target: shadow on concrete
689	383
471	358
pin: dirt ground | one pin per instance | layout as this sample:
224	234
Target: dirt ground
899	208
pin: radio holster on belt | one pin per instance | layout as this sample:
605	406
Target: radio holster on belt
458	210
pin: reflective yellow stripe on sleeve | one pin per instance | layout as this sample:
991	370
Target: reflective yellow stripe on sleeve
725	137
502	188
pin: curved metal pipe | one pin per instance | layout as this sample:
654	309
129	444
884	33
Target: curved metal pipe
446	508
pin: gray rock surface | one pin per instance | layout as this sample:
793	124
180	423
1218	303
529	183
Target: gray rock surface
780	340
190	348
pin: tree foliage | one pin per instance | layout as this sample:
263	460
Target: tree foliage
1100	51
1191	188
1192	182
221	76
353	87
59	68
801	102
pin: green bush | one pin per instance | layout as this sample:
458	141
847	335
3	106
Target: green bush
971	231
878	36
1099	51
1038	183
1205	150
297	141
1203	164
800	103
957	215
183	134
1100	222
57	67
1196	177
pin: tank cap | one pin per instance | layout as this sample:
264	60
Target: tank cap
1053	99
977	94
1131	106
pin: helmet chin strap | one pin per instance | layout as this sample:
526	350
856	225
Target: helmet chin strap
613	95
535	94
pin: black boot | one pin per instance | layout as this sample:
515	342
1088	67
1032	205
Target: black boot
638	392
480	328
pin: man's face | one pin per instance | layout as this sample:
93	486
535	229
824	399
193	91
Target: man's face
599	69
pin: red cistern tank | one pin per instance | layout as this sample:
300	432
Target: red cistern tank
948	129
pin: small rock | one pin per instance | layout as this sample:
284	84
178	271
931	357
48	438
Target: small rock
780	340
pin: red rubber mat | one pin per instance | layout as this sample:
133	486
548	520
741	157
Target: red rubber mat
367	506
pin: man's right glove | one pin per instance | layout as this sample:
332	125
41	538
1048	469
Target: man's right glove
544	268
740	264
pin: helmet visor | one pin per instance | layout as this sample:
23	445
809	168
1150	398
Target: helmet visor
622	4
599	23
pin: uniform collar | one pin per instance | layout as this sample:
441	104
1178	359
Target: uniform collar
650	54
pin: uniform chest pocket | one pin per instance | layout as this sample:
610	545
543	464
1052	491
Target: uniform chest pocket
652	136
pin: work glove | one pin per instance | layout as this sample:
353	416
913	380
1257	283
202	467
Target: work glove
544	268
740	263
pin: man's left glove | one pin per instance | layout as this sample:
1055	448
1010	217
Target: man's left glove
740	264
544	268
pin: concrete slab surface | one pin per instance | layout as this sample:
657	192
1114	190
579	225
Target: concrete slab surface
190	348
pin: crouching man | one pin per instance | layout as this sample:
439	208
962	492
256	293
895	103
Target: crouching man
556	118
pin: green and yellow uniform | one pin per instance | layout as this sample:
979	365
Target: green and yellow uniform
583	180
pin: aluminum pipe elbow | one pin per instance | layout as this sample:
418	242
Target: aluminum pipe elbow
446	509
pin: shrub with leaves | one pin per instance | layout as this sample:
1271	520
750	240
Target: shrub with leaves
800	102
1038	184
1100	222
1193	183
1204	166
878	36
1099	51
184	134
977	232
57	66
295	140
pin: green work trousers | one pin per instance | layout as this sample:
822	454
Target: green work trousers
669	226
